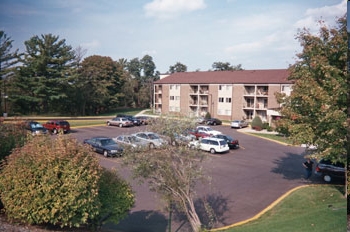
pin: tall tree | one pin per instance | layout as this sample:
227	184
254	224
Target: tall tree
8	59
99	84
178	67
43	74
316	111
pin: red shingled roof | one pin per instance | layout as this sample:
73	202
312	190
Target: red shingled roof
271	76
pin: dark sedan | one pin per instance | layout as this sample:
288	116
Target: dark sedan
104	145
213	121
231	142
330	170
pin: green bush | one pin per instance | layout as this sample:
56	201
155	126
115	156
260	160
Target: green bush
51	181
12	135
257	123
207	115
116	198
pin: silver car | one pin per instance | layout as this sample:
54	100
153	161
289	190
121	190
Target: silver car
120	121
239	124
153	140
130	141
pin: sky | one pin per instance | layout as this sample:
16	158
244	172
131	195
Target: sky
197	33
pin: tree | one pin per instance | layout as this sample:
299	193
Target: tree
178	67
8	60
41	80
171	171
225	66
315	112
99	84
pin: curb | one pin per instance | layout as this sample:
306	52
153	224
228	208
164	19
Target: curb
273	204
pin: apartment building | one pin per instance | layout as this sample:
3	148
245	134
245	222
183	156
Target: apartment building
227	95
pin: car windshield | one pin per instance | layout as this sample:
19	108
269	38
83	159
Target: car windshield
106	142
36	125
153	136
228	137
222	142
63	123
209	129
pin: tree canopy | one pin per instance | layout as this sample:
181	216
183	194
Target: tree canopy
178	67
225	66
316	111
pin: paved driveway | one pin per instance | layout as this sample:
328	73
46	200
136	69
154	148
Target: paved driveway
244	182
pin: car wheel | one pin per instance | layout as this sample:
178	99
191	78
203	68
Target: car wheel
105	153
212	151
173	143
192	146
327	178
214	123
55	131
120	125
151	145
108	124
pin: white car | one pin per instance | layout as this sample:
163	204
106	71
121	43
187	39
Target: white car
213	145
130	141
153	139
208	130
239	124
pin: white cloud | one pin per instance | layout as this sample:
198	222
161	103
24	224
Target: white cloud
169	8
328	14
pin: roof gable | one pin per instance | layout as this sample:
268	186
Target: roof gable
271	76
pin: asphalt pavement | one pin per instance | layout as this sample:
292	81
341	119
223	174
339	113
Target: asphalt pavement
244	182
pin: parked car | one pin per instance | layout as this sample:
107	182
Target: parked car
134	120
201	120
231	142
211	144
56	126
239	124
153	140
35	128
208	130
120	121
199	134
130	141
143	119
329	170
213	121
104	145
183	138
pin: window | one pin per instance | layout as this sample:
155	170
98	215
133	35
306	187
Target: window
177	98
221	87
171	86
221	99
228	100
172	98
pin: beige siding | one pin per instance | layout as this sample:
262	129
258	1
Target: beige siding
272	102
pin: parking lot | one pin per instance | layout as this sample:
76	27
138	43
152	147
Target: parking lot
243	181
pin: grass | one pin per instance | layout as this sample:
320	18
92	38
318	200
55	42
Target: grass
275	137
313	208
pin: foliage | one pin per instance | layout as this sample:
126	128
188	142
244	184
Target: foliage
225	66
171	171
12	135
116	198
39	82
99	84
8	60
207	115
178	67
257	123
52	181
315	113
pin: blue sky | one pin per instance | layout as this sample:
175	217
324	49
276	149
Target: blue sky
197	33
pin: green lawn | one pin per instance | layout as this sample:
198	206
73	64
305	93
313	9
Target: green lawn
275	137
314	208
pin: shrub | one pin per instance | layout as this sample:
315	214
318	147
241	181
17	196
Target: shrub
12	135
257	124
116	198
51	181
207	115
